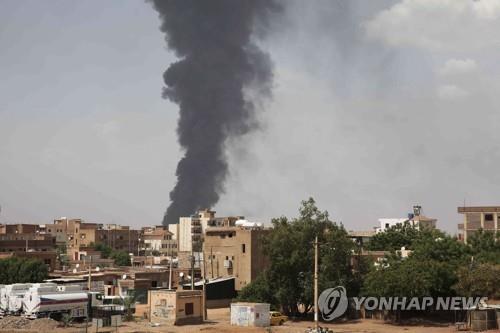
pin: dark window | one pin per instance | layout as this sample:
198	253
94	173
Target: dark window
243	248
189	310
488	217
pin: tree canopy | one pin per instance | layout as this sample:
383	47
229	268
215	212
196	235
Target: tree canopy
289	280
121	258
22	270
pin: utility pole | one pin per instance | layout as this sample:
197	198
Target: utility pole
204	288
212	261
316	323
90	274
192	268
170	269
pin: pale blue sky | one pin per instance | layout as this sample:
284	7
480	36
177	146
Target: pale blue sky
372	112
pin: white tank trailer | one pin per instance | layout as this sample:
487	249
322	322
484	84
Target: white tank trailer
2	288
12	297
44	301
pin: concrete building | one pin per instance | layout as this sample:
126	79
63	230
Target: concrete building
416	219
234	251
479	217
21	228
190	230
190	234
362	238
118	237
28	243
177	307
158	239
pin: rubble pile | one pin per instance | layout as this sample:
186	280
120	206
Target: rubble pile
19	323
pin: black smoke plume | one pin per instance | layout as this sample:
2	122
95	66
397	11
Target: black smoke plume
219	67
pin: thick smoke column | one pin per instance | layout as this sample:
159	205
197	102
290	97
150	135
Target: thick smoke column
219	68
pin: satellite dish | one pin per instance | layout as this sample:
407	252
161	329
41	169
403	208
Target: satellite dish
181	274
97	268
77	265
124	276
74	270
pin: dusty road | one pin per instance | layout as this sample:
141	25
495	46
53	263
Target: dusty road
219	323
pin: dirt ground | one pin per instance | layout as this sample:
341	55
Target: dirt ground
218	322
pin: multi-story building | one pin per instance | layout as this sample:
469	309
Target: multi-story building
190	230
190	234
40	243
21	228
64	230
158	239
416	219
87	235
118	237
24	238
234	251
475	218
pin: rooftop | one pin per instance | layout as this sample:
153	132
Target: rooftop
479	209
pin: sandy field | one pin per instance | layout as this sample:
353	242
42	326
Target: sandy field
218	322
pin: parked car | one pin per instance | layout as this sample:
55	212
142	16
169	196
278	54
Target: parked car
277	318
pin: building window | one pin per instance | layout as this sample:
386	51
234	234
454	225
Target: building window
189	309
243	249
488	217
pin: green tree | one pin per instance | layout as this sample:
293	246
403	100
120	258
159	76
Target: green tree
485	247
394	238
121	258
482	280
22	270
104	249
430	269
289	245
258	291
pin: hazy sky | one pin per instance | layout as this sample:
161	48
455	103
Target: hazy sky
378	105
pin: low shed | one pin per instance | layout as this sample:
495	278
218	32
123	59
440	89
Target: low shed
178	307
250	314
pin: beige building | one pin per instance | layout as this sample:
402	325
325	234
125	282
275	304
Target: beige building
475	218
190	230
158	239
190	233
234	251
65	231
178	307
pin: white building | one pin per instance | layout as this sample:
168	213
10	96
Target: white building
192	228
416	219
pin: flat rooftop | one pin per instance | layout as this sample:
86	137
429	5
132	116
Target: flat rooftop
479	209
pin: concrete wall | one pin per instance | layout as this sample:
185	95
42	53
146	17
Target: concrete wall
250	314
